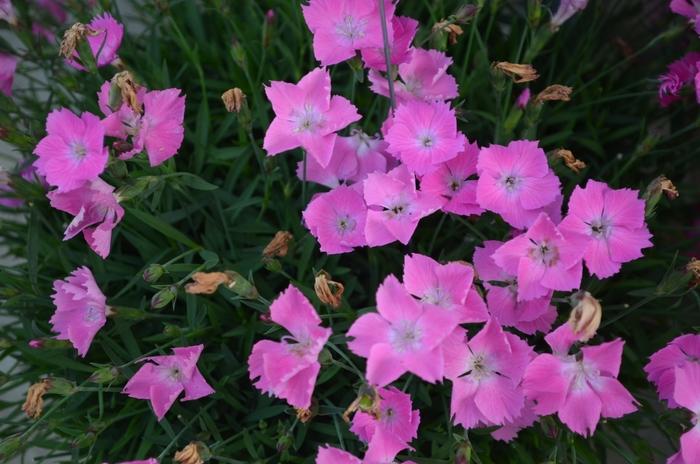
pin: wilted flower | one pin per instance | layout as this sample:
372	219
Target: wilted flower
207	282
233	99
279	245
657	187
104	36
8	65
128	90
34	403
569	160
452	30
554	92
520	73
585	317
194	453
328	291
693	267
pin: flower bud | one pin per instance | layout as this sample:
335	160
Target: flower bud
520	73
163	297
61	386
241	286
272	265
36	343
279	245
284	442
586	316
84	440
105	374
153	273
327	290
554	92
194	453
171	330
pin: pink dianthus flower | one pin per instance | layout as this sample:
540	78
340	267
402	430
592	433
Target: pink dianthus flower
337	219
661	369
687	395
104	41
8	65
404	31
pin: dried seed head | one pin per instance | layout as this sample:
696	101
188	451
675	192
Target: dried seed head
452	30
554	92
569	160
128	90
207	282
693	267
233	99
520	73
279	245
663	184
304	415
327	290
34	404
586	316
194	453
71	38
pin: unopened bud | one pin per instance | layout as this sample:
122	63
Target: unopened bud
284	442
234	100
163	297
279	245
586	316
10	446
105	374
520	73
195	452
327	290
554	92
272	265
36	343
241	286
153	273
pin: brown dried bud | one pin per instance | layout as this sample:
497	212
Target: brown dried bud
586	316
128	89
452	30
665	186
279	245
569	159
233	99
34	404
327	290
207	282
520	73
71	38
693	267
554	92
304	415
194	453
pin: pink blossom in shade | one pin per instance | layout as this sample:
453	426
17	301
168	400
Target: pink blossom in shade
662	365
536	315
456	181
42	32
423	135
81	309
337	219
567	8
403	336
423	77
395	206
307	116
288	369
342	166
8	66
330	455
515	182
510	429
680	74
580	388
523	98
404	31
609	225
448	286
486	372
392	431
73	150
104	42
55	8
161	379
7	12
342	27
543	259
7	196
687	394
688	8
96	212
370	154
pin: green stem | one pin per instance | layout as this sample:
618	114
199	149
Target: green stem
387	54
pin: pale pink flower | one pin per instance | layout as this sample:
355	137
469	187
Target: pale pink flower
688	8
104	41
580	388
97	212
288	369
56	8
687	394
404	336
392	431
395	206
307	116
536	315
81	309
515	182
161	379
423	135
661	368
456	181
680	73
141	461
448	286
611	225
523	99
567	8
510	429
404	31
73	150
330	455
8	65
7	12
370	154
337	219
423	77
42	32
342	27
342	166
486	372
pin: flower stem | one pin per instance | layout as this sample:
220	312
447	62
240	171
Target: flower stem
387	54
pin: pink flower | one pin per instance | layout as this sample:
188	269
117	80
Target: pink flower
523	98
337	219
448	286
42	32
423	77
119	122
142	461
404	336
392	431
543	259
8	65
55	8
515	182
104	42
395	206
567	8
161	379
36	343
510	429
329	455
7	197
288	369
369	152
341	167
451	180
580	388
527	316
688	8
342	27
687	394
662	365
73	150
404	31
424	135
307	116
96	209
680	73
81	309
486	372
7	12
611	225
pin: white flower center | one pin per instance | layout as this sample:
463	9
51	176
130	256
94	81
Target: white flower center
93	314
350	28
511	182
307	119
405	336
345	224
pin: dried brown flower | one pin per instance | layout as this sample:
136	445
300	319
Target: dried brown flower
327	290
452	30
128	90
666	187
586	316
554	92
520	73
569	160
190	454
71	38
207	282
233	99
34	404
279	245
694	268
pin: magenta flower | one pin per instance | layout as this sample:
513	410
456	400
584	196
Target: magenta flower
453	180
104	41
610	225
395	206
369	152
447	286
523	99
515	182
567	8
342	166
423	135
288	369
55	8
7	12
688	8
307	116
680	73
8	65
392	431
96	209
161	379
120	122
73	150
579	388
141	461
486	372
423	77
330	455
81	309
337	219
661	369
404	336
342	27
510	429
687	395
404	31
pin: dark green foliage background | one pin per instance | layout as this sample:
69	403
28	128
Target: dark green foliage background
221	215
